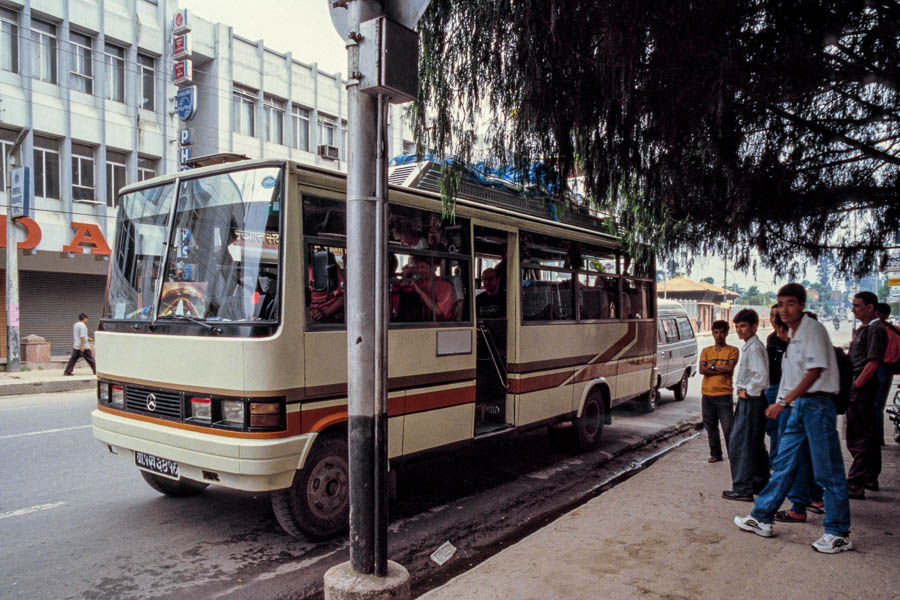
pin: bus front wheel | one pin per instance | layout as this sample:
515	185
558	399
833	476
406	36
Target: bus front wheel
317	503
170	487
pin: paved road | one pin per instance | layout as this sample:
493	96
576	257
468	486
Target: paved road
79	523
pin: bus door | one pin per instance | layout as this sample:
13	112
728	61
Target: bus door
491	328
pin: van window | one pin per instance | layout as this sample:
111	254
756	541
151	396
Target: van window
671	330
660	332
684	328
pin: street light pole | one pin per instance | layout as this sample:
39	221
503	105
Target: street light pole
13	361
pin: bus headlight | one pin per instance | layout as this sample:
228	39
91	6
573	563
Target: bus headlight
265	414
117	396
233	412
102	393
201	409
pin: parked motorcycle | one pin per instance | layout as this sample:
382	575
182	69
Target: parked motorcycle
894	415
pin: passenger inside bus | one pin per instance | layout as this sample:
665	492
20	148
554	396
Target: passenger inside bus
326	288
416	302
491	303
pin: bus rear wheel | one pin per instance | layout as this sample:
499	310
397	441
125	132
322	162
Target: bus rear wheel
589	425
170	487
317	505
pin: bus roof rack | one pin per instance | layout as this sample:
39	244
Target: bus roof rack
426	175
215	159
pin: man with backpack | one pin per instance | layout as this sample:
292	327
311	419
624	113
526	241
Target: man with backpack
889	368
809	383
866	353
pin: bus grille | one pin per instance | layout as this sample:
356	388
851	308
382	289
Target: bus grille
167	404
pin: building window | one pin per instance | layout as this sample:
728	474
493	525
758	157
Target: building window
243	106
328	134
300	119
147	65
409	147
146	168
9	41
7	138
46	167
43	51
274	110
82	74
115	176
82	172
114	57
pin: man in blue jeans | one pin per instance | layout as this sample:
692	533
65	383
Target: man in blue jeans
809	382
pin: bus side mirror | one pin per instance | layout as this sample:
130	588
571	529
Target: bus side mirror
324	267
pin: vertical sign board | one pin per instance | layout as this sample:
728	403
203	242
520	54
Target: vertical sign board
186	99
20	196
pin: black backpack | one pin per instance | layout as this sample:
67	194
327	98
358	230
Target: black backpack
845	369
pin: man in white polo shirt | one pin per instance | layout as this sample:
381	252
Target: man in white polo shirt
809	382
80	346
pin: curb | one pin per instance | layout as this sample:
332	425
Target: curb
46	387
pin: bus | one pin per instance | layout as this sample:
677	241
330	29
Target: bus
222	350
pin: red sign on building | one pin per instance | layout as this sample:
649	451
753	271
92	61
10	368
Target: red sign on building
182	73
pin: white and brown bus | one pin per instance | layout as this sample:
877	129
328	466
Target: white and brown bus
222	352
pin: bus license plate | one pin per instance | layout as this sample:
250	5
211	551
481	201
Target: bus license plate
163	466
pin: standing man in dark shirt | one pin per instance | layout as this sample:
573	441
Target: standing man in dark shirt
866	353
776	344
491	303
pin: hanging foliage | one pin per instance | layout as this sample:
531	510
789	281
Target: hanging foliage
707	126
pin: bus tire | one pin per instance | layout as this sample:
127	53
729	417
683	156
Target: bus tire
680	388
317	505
649	401
589	425
181	488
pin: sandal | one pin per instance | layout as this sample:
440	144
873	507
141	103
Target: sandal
713	459
818	509
786	516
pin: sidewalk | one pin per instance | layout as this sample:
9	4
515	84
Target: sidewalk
42	378
667	533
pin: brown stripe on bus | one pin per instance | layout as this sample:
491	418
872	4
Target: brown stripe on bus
338	390
293	426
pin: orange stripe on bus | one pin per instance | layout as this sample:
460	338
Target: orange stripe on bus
293	426
540	382
329	420
439	399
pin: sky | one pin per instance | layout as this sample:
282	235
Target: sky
304	28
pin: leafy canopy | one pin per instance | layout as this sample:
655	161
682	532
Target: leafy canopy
704	126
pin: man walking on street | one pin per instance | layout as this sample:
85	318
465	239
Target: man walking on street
863	441
809	383
80	348
747	448
716	365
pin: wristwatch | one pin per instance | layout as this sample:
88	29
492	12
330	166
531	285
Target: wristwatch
781	402
712	367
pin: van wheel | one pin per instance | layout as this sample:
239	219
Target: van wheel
172	488
680	388
649	401
589	426
317	505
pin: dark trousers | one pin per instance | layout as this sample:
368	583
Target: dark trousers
716	410
863	439
885	379
747	446
76	354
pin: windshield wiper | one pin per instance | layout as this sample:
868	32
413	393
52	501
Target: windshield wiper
213	328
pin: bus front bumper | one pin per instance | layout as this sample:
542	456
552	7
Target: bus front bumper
243	464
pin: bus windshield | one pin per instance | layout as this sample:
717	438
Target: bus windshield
218	258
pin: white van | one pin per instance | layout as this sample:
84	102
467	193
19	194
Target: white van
676	355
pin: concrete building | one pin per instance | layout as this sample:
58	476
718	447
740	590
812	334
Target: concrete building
91	82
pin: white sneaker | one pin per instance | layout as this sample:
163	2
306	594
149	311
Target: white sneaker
749	523
832	544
